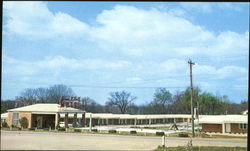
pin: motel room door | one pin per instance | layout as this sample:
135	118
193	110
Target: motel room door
39	122
228	127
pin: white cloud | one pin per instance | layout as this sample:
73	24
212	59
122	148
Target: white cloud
174	66
201	6
155	40
133	79
209	7
57	64
126	29
34	20
219	73
231	6
231	71
139	32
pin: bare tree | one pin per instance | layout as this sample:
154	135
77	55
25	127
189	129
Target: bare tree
121	99
42	94
28	96
57	91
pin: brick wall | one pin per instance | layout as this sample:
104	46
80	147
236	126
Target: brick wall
235	128
21	114
9	118
212	128
27	115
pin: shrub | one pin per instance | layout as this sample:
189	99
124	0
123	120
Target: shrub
32	128
183	134
24	122
159	133
77	130
133	132
94	130
4	124
135	126
112	131
61	129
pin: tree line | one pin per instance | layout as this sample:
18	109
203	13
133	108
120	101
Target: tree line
123	102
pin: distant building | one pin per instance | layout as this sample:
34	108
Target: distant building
4	117
224	123
245	112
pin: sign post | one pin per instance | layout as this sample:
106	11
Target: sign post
163	141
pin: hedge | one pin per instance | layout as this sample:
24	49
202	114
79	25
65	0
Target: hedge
77	130
112	131
159	133
183	134
94	130
61	129
133	132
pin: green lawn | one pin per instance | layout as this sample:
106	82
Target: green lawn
202	148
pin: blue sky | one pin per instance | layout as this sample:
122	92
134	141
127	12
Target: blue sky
100	47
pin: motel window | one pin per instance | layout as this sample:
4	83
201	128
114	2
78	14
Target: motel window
243	126
15	119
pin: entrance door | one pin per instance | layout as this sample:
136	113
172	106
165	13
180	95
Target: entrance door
39	122
228	127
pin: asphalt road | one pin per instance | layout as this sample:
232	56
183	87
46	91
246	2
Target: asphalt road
78	141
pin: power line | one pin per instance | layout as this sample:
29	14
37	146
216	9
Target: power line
127	87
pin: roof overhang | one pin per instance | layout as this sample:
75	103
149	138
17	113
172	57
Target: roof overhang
51	113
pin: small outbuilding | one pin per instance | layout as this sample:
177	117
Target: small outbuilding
224	123
4	117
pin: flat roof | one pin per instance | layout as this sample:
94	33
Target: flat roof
220	119
4	115
130	116
48	108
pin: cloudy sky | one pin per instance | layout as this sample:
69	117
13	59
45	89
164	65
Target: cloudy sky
100	47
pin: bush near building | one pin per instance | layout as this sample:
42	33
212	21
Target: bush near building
24	122
5	125
61	129
133	132
159	133
94	130
183	134
77	130
112	131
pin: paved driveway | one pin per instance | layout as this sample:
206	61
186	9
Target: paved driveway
77	141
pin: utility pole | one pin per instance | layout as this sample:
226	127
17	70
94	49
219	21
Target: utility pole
191	87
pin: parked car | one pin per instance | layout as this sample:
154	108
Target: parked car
62	124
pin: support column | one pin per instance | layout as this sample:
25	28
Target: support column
90	122
98	121
74	120
83	120
150	121
135	121
66	120
119	121
56	120
107	121
223	128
